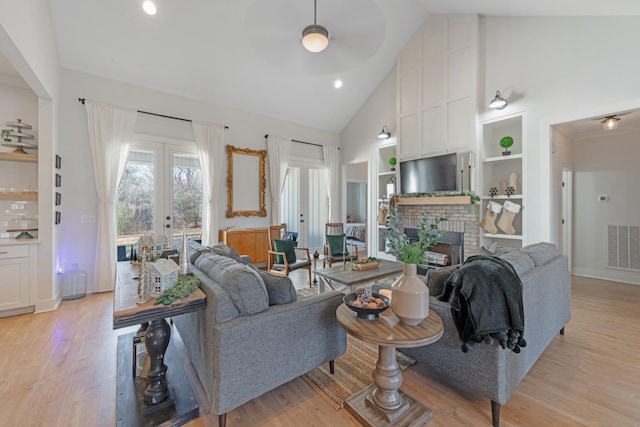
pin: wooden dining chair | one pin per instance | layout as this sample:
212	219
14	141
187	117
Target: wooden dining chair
284	256
336	247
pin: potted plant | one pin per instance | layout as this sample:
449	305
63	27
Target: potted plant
409	295
505	143
392	163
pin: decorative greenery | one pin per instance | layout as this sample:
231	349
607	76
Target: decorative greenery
392	161
506	142
185	286
399	244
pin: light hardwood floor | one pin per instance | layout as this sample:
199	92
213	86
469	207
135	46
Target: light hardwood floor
59	369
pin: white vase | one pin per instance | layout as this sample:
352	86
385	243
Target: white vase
410	297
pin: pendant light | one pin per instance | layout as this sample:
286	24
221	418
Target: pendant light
315	38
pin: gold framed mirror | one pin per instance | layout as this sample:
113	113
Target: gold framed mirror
246	190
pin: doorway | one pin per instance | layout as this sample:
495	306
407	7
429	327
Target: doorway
356	204
304	204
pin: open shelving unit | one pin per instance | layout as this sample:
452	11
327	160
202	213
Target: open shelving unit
384	175
496	167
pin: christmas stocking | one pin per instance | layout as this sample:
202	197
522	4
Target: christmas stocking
509	212
489	221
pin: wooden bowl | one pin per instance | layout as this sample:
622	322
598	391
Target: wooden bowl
366	313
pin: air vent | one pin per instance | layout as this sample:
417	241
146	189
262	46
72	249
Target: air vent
623	247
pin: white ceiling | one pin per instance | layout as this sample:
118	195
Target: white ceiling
247	54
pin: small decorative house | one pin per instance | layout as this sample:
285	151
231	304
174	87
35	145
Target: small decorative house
163	275
157	243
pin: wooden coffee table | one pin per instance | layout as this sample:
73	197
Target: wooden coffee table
344	275
382	403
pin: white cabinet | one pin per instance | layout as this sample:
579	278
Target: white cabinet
500	172
385	177
437	86
14	277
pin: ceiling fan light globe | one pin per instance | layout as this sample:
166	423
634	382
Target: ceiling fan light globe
315	38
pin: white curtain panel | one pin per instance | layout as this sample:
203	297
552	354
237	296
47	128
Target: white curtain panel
210	142
278	151
110	135
332	172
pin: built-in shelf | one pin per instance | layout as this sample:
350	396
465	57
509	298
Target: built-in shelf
503	158
503	197
503	236
27	196
19	157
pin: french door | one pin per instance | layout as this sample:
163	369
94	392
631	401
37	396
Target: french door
160	192
304	204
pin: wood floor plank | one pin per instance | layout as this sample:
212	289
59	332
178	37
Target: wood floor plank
59	369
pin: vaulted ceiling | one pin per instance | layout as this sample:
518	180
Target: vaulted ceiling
247	54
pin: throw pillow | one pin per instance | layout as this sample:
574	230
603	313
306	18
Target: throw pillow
224	250
541	253
287	247
279	288
436	278
337	243
244	286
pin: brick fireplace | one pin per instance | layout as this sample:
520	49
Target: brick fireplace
462	219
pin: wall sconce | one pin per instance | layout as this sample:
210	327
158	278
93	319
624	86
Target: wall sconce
498	102
384	133
610	122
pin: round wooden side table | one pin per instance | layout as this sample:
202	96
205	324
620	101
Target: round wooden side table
382	403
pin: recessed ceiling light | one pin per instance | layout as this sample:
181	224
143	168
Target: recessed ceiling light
337	84
149	7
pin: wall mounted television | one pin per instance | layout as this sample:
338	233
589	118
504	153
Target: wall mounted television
430	174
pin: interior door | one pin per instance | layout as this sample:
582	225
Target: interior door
160	192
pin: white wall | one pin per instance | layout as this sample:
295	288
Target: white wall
360	140
246	130
557	69
607	165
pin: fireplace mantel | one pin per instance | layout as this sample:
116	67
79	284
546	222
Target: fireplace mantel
435	200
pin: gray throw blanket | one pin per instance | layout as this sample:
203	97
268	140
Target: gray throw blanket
485	295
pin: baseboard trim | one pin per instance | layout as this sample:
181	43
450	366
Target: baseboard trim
614	276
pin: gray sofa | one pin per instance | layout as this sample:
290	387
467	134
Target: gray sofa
254	334
489	370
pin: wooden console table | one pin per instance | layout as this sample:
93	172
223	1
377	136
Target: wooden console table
156	403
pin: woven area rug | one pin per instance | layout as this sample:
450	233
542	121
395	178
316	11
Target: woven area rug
352	371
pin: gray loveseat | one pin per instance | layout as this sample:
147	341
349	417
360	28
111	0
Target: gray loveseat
243	345
489	370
